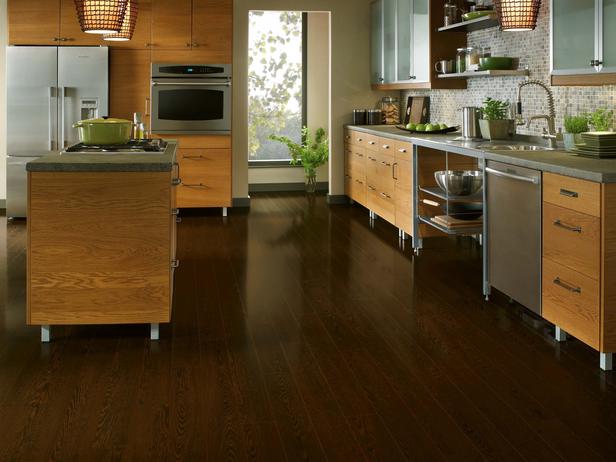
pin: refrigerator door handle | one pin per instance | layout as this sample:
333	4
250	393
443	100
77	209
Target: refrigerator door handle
62	96
52	115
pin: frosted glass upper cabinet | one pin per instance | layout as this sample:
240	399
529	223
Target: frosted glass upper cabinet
583	42
376	43
413	41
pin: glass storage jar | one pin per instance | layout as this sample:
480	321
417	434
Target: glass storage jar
461	60
390	109
472	58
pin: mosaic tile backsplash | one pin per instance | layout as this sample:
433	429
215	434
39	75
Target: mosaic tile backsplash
533	49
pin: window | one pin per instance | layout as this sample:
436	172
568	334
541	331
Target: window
276	83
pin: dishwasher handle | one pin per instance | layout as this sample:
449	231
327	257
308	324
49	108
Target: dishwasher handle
512	176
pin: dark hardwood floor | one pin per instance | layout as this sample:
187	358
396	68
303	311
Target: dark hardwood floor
300	333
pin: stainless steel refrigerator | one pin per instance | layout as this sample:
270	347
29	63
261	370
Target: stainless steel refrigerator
49	89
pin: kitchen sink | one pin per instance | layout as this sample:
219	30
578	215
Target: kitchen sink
514	147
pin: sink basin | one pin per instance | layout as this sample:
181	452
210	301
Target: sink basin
514	147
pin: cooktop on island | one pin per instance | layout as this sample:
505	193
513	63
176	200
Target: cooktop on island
149	146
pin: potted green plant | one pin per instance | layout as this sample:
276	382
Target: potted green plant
310	154
602	120
494	123
574	125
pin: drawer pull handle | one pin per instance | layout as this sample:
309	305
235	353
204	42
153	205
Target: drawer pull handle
564	285
194	185
175	212
176	182
360	139
566	192
359	155
371	188
394	173
372	159
360	182
175	263
371	143
402	150
386	195
573	229
193	157
385	146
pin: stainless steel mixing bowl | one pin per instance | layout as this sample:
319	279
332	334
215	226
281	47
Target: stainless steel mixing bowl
459	182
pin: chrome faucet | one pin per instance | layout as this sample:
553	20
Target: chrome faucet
549	133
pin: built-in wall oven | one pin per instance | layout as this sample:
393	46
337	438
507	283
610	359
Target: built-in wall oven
191	99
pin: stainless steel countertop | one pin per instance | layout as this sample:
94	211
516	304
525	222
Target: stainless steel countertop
106	162
560	162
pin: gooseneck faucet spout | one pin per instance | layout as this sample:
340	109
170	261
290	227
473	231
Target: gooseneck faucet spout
550	133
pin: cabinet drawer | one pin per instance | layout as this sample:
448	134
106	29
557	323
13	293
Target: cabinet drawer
386	146
571	301
403	150
382	204
572	239
206	178
580	195
358	138
372	142
202	141
348	136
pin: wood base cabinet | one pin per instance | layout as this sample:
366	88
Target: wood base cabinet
378	175
579	260
205	171
101	247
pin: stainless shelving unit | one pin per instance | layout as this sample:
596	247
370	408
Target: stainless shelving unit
484	22
491	73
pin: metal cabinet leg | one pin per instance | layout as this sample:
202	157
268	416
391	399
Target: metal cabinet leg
560	335
224	211
605	360
45	334
154	331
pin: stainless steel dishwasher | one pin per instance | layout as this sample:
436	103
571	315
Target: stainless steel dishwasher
513	209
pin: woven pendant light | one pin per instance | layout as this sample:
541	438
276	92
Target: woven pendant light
101	16
128	25
517	15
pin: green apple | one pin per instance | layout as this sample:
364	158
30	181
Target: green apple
443	126
420	128
411	126
431	127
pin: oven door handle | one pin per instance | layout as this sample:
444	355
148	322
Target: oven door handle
192	84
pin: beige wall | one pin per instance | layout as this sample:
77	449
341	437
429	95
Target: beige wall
3	43
318	79
350	81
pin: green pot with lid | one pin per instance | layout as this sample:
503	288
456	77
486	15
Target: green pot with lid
104	131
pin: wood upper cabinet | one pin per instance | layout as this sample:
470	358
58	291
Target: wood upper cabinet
171	24
212	26
70	30
34	22
129	83
203	27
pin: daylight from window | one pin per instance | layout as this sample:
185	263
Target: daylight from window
274	82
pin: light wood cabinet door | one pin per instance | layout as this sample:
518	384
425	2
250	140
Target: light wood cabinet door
171	24
571	301
70	30
34	22
142	37
129	72
212	30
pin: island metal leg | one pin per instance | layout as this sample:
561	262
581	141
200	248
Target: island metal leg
154	331
606	361
224	211
45	334
560	335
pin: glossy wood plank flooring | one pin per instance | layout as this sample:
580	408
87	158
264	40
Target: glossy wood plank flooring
301	333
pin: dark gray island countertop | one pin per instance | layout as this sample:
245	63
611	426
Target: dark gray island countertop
559	161
106	162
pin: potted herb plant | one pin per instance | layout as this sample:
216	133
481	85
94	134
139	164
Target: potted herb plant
494	123
602	120
310	154
574	125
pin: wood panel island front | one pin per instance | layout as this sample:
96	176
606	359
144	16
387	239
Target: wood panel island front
101	239
578	212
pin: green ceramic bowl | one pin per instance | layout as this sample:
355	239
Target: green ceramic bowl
492	63
476	14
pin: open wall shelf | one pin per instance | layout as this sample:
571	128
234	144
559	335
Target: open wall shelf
485	22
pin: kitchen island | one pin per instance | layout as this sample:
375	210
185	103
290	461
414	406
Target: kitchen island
576	212
101	239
